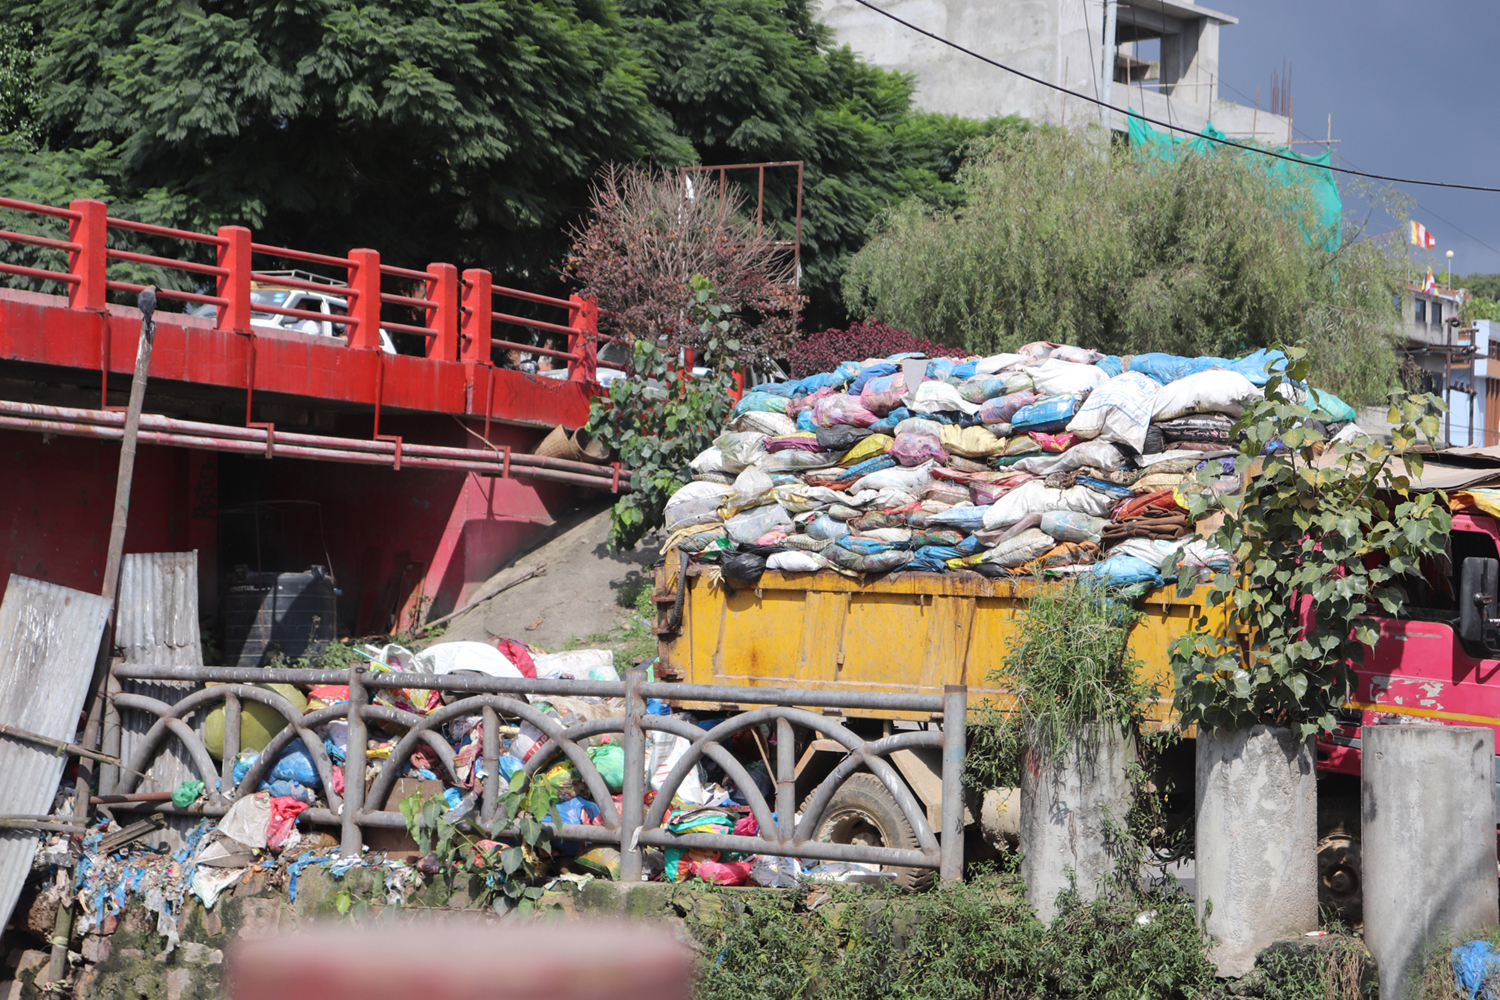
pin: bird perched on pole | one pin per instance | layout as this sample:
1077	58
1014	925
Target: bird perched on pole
146	301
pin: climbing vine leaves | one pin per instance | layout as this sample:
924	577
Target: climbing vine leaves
1323	538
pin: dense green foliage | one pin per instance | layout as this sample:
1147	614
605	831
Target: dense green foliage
1060	240
1068	665
457	130
979	941
659	420
1318	546
1485	286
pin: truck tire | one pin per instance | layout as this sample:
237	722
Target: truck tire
1340	889
863	811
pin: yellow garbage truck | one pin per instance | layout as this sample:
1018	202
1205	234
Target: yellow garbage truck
909	633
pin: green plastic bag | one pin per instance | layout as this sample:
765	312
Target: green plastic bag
610	760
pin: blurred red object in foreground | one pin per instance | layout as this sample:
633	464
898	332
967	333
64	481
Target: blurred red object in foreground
474	960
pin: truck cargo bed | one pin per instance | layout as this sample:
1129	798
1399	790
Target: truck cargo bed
908	632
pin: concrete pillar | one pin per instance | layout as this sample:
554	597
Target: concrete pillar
1257	841
1068	807
1427	805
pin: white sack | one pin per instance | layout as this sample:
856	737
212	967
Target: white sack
1099	454
1216	390
1119	410
1066	378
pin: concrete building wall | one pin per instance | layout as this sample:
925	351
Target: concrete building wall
1060	41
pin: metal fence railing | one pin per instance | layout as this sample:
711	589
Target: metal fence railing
632	825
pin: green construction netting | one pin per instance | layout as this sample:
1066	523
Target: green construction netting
1310	172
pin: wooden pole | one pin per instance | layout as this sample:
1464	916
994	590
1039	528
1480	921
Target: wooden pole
62	930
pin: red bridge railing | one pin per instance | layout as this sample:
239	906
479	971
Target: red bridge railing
458	310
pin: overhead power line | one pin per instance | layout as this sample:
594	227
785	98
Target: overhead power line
1168	125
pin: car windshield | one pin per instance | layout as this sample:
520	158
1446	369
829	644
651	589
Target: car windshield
267	297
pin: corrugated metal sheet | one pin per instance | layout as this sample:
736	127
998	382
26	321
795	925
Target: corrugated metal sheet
157	620
49	640
156	624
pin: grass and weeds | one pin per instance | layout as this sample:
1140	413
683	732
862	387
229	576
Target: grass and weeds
631	638
1069	666
976	941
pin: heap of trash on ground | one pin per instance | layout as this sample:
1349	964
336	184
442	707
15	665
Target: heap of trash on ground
265	830
1049	462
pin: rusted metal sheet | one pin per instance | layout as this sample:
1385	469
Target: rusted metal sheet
156	623
49	640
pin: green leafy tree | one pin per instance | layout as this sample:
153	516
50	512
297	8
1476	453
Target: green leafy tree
462	130
1059	239
437	130
1321	541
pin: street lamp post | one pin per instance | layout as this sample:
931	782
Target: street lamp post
1449	282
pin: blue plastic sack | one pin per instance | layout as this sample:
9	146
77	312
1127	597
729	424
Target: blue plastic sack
869	465
1110	365
760	401
1049	414
811	384
580	811
776	388
876	370
1164	367
295	764
933	558
1254	366
1473	965
289	790
870	546
967	369
805	421
655	706
887	423
970	546
1124	570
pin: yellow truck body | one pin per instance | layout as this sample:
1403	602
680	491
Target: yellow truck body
908	632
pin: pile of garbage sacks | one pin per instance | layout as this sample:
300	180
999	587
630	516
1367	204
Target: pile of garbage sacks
266	822
1051	461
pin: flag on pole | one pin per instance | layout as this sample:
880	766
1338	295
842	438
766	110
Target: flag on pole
1430	285
1420	237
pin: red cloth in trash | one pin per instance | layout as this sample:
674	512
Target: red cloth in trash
748	826
1161	499
722	872
517	653
284	812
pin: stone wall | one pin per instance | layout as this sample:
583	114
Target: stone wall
128	959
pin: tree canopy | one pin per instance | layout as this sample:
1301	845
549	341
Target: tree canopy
457	130
1059	238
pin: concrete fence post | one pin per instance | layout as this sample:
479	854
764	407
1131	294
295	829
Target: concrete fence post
1427	805
1069	805
1257	841
633	791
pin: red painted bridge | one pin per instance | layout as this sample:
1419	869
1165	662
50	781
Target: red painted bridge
411	474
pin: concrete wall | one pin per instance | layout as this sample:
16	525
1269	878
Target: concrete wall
1257	841
1068	807
1046	38
1056	40
1427	817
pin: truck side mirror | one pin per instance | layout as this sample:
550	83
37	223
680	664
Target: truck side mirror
1478	597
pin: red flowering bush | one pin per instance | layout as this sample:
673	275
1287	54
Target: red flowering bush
822	352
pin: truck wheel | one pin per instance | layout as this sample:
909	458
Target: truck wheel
862	811
1339	887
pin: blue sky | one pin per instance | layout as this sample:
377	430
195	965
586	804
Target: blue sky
1414	89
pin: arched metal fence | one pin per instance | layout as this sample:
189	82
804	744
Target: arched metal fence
630	824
